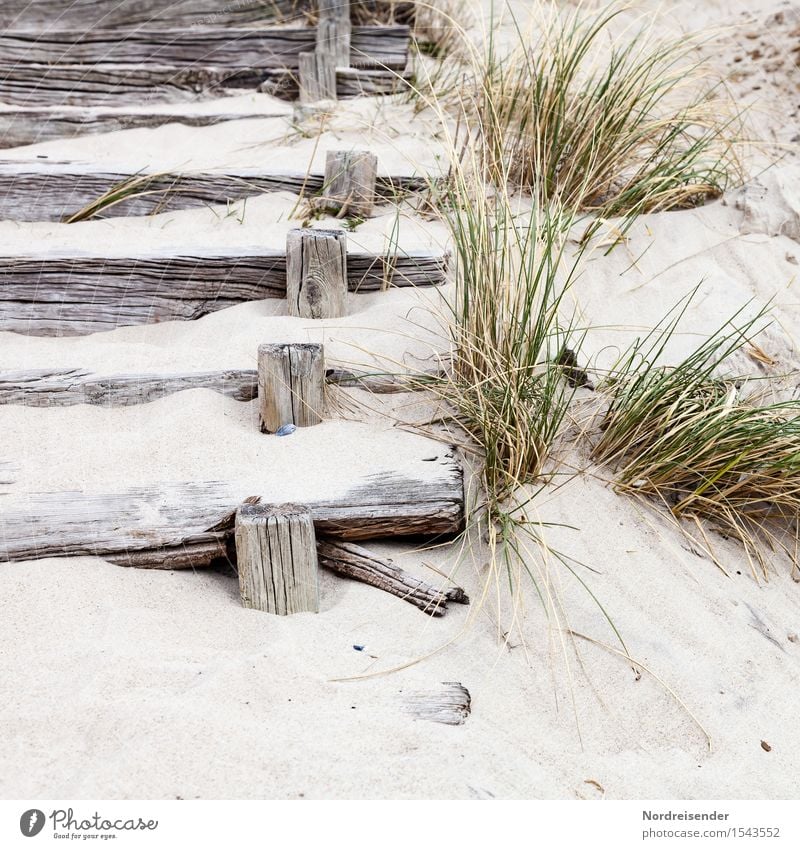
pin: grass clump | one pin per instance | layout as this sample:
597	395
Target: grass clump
701	443
597	120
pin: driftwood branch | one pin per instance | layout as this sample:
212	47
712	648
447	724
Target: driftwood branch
358	563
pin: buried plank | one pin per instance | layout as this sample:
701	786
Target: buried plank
451	704
31	125
229	47
68	387
190	523
66	294
55	191
39	85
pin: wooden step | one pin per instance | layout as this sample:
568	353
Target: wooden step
55	191
169	524
61	293
108	13
23	126
196	47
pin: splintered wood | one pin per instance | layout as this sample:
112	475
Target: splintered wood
291	385
276	552
316	273
450	705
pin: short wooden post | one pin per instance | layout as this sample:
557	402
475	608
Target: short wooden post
334	30
276	552
316	273
291	385
349	186
317	77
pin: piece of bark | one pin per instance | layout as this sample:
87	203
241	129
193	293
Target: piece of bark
424	499
53	191
276	555
350	177
316	273
58	293
353	561
291	385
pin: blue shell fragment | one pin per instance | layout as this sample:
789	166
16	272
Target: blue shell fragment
285	430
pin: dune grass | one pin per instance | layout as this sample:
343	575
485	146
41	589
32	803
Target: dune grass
594	115
695	437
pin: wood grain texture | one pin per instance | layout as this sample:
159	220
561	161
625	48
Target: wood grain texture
316	273
291	385
317	77
66	387
31	125
449	704
350	179
54	191
108	13
229	47
145	525
276	555
53	86
53	293
353	561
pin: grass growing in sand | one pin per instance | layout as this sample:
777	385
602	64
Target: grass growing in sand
696	439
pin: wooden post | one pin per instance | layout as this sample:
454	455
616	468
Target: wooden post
316	273
276	552
317	77
291	385
349	186
334	30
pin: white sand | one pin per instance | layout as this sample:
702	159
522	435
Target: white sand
130	684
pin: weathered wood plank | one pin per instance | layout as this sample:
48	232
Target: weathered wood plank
131	85
23	126
65	294
71	386
228	47
276	555
133	525
317	77
55	191
353	561
108	13
450	705
291	384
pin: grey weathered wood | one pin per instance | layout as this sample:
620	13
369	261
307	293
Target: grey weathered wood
228	47
276	555
139	525
350	179
353	561
317	76
41	190
30	125
316	273
291	384
334	30
451	704
107	13
350	83
67	387
61	293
